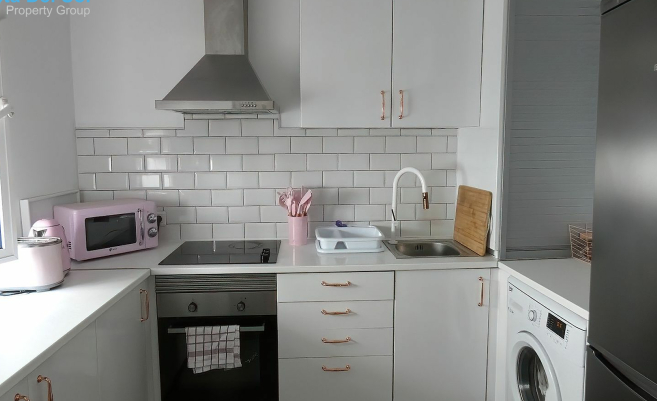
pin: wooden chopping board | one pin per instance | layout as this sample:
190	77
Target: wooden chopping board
472	218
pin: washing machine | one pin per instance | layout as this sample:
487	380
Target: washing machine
546	348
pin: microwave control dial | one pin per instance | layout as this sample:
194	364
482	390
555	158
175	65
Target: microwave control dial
151	218
192	307
152	232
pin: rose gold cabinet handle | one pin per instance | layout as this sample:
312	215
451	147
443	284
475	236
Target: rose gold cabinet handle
383	105
47	380
345	369
326	341
346	312
481	300
401	104
19	397
148	305
325	284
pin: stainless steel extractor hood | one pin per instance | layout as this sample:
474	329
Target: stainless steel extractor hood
223	81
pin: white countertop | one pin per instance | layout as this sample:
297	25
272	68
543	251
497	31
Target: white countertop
33	326
566	281
302	259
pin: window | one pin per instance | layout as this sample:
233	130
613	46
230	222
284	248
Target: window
7	239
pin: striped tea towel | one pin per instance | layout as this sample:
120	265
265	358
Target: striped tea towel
213	347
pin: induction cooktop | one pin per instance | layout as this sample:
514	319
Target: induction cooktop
224	252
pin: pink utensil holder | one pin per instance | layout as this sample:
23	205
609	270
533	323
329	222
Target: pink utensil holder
297	230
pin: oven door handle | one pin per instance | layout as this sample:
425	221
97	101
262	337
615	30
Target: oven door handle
140	212
243	329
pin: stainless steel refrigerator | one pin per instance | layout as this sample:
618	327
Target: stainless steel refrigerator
622	356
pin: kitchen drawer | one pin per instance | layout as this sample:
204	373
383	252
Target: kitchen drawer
368	379
306	316
336	287
311	343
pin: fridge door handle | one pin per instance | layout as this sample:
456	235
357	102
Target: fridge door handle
622	377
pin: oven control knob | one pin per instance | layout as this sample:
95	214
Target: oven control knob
192	307
151	218
241	306
532	315
152	232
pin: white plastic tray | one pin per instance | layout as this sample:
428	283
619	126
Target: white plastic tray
381	248
349	238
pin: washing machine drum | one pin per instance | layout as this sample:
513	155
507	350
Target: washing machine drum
533	377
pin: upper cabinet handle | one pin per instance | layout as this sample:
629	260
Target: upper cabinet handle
47	380
19	397
325	284
383	105
401	104
481	299
148	305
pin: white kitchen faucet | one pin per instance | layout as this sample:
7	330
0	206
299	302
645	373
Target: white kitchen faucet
425	196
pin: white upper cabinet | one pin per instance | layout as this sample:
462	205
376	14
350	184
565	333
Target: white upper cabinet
345	63
436	62
428	49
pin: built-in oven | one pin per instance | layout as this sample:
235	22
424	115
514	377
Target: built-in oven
246	300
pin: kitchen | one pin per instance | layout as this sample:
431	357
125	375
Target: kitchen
445	152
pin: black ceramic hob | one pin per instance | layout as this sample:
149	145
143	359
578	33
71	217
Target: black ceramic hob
224	252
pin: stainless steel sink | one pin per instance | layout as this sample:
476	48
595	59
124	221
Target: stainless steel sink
423	248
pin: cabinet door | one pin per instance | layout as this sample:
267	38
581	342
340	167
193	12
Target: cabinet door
72	370
123	350
441	335
346	47
436	62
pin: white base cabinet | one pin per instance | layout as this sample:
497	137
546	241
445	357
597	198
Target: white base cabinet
441	335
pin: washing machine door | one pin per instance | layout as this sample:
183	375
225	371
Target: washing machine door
531	374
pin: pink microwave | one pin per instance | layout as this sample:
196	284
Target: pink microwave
105	228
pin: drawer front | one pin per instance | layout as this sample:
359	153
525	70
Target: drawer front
334	342
305	316
373	286
368	379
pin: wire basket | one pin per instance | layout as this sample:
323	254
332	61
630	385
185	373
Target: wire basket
581	241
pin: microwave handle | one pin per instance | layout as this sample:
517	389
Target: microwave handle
141	226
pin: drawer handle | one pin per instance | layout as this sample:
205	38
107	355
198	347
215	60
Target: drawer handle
49	382
383	105
19	397
401	104
481	299
327	341
347	368
325	284
346	312
147	306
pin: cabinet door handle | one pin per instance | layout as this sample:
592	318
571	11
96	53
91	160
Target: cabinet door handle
346	312
401	104
383	105
49	382
345	369
148	304
325	284
481	299
19	397
327	341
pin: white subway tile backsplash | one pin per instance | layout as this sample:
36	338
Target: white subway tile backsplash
452	144
212	215
178	180
242	180
405	211
225	128
264	127
145	181
129	194
259	197
415	228
85	146
194	163
180	215
354	162
210	180
177	145
339	212
195	197
442	228
228	197
432	144
451	178
322	132
435	212
370	212
241	146
412	195
385	162
338	145
274	214
415	132
93	196
276	180
158	132
402	144
322	162
290	162
354	196
91	133
258	163
94	164
444	131
325	196
142	146
407	180
273	145
163	198
195	232
380	196
278	131
338	179
260	230
316	214
226	162
385	132
308	179
368	179
443	161
227	231
209	146
87	182
443	195
127	164
419	161
126	133
194	128
353	132
114	181
306	145
243	214
369	145
161	163
435	178
282	231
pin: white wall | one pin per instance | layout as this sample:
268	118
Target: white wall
35	57
122	45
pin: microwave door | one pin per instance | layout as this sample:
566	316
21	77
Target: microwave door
124	230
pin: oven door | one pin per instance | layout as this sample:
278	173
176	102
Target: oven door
116	232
